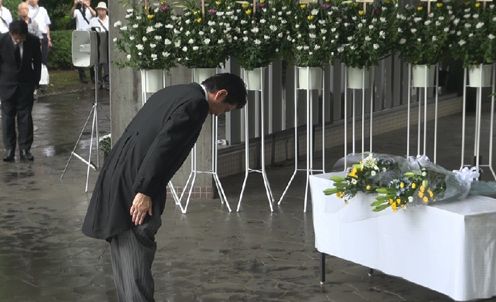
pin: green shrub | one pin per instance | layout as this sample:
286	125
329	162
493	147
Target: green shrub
60	55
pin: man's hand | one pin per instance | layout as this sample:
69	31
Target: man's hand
142	205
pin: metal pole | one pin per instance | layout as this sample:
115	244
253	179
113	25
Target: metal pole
363	112
408	110
372	87
463	116
425	110
436	87
323	121
309	140
419	120
353	121
345	117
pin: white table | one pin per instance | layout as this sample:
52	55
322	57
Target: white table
449	248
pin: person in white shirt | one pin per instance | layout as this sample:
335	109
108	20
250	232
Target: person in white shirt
23	13
40	16
83	13
5	18
100	23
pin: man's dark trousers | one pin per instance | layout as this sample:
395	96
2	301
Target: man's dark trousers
20	104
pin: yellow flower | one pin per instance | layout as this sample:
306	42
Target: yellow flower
262	1
368	187
425	199
340	194
196	12
245	4
198	20
248	11
398	201
390	201
353	173
402	185
431	194
439	4
422	189
420	8
310	18
150	17
394	207
477	4
414	185
361	12
303	6
420	194
218	3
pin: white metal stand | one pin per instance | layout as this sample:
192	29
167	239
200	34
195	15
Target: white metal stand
213	171
268	190
144	98
422	142
371	113
478	114
309	168
94	137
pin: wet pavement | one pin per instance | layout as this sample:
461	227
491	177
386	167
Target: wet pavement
205	255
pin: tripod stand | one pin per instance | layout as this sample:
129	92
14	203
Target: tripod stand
93	114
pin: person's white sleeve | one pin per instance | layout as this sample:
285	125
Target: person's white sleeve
94	22
74	14
8	17
47	18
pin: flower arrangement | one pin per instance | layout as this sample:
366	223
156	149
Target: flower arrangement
474	35
414	186
362	177
423	36
309	27
146	37
397	185
204	41
259	32
368	35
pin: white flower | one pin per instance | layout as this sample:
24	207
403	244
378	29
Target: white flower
354	181
245	39
413	30
266	37
273	27
373	173
314	12
360	25
201	33
195	48
169	26
367	38
382	34
400	30
191	41
114	39
456	21
428	22
382	19
491	37
341	49
317	47
158	25
135	25
257	42
177	44
154	57
138	18
371	26
144	39
446	29
410	198
479	25
165	54
468	25
129	10
212	30
262	21
211	23
124	28
152	45
140	47
117	24
306	47
461	42
475	16
312	36
158	38
167	42
299	47
206	41
312	26
220	41
376	46
254	30
323	31
128	57
417	19
434	38
185	49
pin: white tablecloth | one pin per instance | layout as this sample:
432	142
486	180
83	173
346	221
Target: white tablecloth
449	248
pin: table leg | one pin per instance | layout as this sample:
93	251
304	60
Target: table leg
322	268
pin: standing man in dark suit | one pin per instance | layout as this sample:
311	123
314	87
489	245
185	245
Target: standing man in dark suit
130	192
20	70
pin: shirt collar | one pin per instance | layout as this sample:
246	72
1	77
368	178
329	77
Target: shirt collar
205	91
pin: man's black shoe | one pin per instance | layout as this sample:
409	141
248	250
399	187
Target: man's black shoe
9	155
26	155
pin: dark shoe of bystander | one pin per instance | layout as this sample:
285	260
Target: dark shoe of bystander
26	155
9	155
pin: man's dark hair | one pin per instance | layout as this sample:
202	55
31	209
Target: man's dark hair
18	27
236	88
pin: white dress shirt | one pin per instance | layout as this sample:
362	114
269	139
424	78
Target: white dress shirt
81	24
95	22
40	15
7	17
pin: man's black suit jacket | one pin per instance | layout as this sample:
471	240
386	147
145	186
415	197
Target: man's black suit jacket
151	150
27	76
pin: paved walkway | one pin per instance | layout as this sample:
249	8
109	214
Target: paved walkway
205	255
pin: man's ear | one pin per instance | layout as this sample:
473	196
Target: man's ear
221	94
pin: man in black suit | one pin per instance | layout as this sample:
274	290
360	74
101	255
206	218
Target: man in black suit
20	71
130	192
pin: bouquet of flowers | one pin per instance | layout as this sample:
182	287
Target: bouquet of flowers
204	41
146	37
369	35
309	32
423	36
474	35
259	32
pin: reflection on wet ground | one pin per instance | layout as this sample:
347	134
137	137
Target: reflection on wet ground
206	255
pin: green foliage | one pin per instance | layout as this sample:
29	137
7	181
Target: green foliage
60	56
